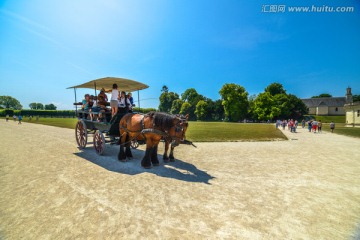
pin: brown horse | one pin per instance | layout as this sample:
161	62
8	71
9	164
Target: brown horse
149	128
184	124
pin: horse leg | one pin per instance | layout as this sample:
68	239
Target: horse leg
154	158
172	159
127	148
165	156
146	161
122	155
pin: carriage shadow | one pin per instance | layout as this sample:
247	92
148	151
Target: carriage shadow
179	169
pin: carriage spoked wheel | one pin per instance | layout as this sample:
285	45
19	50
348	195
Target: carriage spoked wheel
81	134
99	142
134	144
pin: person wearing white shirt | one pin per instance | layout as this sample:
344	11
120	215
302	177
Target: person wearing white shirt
124	103
114	99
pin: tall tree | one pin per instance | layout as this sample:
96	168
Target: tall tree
235	101
166	100
39	106
264	107
176	106
275	88
164	89
356	98
10	102
50	107
32	105
201	110
185	108
192	97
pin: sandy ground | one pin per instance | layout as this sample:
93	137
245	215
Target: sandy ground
305	188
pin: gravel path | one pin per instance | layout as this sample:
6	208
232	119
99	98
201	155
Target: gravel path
304	188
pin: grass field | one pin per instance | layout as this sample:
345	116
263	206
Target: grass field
223	131
328	119
199	131
341	129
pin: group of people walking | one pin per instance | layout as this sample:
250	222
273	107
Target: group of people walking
290	123
313	125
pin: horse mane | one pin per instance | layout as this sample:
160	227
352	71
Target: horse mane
163	120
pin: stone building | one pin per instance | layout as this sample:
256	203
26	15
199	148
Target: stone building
328	106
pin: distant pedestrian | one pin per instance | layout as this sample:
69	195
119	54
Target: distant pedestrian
314	125
20	119
332	126
309	125
14	117
303	123
283	124
319	126
7	117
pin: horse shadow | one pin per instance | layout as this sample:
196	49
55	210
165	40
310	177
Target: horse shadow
179	169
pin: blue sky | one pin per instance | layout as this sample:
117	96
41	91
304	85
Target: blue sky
47	46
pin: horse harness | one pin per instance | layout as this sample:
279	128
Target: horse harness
164	134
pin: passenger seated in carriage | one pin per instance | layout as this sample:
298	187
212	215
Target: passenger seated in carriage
95	107
101	103
124	103
131	99
85	106
103	94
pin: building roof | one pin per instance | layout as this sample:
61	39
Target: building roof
325	101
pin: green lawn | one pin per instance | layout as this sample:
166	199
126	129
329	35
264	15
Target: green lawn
200	131
223	131
328	119
57	122
341	129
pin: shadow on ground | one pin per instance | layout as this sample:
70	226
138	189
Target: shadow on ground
179	169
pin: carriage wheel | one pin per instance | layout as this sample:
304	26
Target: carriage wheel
134	144
81	134
99	142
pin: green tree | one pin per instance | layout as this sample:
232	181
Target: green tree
275	88
10	102
166	100
39	106
185	108
32	105
263	107
193	97
50	107
356	98
217	110
322	95
235	101
164	89
201	110
176	106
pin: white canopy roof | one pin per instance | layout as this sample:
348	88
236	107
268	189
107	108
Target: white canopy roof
124	84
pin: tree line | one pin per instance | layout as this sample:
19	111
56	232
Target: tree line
235	104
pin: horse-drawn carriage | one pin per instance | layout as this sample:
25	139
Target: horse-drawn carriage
129	129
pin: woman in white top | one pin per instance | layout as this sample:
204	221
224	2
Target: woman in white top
114	99
124	103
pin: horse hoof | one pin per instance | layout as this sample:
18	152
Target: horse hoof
156	164
146	167
166	160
